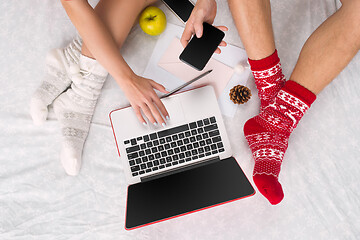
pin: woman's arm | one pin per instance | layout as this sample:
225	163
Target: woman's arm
104	49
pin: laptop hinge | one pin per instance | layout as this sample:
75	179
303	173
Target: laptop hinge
180	169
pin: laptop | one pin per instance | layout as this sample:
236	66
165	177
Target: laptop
181	168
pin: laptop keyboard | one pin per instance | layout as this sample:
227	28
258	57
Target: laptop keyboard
174	146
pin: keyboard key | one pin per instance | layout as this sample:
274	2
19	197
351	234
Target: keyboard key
149	144
138	161
175	163
157	156
133	155
138	138
156	142
201	155
141	172
192	139
180	142
126	142
132	162
208	141
214	133
200	130
182	155
168	165
201	150
153	136
194	152
144	159
148	170
163	154
192	125
195	157
133	141
162	140
170	152
168	159
143	146
187	134
207	149
149	164
216	139
151	157
161	166
168	139
212	119
147	151
189	147
167	146
220	145
155	168
182	148
186	141
173	144
202	143
132	149
181	135
207	153
162	161
154	150
146	138
200	123
143	166
174	130
221	150
141	153
177	150
156	162
175	157
193	132
206	121
135	168
213	146
205	135
198	137
181	161
210	127
135	174
214	152
188	154
161	148
196	145
187	159
175	137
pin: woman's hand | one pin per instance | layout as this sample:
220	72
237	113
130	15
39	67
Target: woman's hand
204	11
141	95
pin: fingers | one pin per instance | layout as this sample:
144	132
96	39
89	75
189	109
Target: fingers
158	86
161	107
187	34
139	115
222	28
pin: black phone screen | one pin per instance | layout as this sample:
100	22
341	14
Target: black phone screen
199	50
182	8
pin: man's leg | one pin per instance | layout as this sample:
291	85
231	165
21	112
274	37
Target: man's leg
325	54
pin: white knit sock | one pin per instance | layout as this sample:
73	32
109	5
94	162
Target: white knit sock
59	63
75	108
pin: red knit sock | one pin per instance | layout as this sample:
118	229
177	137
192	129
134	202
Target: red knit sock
268	134
268	76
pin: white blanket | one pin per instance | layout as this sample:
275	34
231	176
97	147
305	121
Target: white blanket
320	172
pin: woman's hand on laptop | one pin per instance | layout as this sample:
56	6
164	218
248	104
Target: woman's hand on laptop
204	11
142	97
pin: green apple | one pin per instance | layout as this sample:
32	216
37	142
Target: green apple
152	21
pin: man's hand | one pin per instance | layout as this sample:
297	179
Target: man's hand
204	11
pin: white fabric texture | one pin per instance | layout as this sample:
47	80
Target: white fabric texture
38	200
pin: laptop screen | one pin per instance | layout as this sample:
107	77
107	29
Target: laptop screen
185	192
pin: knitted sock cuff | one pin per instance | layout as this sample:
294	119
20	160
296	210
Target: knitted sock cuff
300	92
265	63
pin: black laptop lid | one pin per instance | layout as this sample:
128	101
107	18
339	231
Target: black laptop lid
186	191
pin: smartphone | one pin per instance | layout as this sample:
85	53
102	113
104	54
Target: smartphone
181	8
199	50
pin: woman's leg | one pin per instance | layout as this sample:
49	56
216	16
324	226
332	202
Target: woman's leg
111	12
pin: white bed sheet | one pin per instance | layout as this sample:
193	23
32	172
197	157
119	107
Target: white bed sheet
39	201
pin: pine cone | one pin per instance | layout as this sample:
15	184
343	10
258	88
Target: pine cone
240	94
